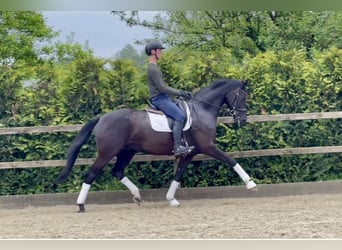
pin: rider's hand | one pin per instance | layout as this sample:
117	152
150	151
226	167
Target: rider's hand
186	94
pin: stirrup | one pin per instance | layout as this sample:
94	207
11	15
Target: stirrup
181	150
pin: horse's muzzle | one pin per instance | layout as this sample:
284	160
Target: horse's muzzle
240	121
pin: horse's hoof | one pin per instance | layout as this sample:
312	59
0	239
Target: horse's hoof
81	208
251	185
174	203
137	200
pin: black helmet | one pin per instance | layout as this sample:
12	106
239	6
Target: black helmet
153	45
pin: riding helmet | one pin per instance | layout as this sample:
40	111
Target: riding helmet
153	45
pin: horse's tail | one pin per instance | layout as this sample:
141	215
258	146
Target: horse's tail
75	147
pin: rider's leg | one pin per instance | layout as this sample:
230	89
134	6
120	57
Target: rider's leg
177	131
164	103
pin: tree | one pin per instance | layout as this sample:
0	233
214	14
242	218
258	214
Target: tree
243	32
306	30
120	86
198	30
130	53
22	34
80	92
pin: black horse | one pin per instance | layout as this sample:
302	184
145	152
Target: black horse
124	132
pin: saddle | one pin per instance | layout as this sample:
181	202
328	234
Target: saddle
162	123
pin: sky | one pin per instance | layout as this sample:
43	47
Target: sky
105	33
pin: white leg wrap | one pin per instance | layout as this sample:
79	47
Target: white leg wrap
174	203
251	185
130	185
83	194
172	190
244	176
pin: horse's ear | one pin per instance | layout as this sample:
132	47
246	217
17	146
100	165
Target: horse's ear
244	84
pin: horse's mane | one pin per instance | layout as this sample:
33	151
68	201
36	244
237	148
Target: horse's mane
219	83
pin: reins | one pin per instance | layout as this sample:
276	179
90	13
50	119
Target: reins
232	111
208	103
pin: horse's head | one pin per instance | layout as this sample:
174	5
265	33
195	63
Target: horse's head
236	101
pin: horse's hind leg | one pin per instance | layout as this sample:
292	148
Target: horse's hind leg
182	164
91	175
122	161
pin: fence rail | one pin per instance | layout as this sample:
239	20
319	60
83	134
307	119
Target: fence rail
200	157
146	158
251	119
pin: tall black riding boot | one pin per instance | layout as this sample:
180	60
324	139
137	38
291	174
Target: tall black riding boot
179	149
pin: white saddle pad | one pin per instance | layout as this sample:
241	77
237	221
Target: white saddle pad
159	122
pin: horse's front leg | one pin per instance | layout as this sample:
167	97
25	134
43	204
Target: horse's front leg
250	184
216	153
170	196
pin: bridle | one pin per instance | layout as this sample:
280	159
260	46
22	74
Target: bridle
233	110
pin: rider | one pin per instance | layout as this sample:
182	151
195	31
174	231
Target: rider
159	94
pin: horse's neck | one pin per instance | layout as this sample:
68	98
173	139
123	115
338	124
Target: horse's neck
201	111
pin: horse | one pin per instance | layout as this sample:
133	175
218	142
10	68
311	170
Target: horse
124	132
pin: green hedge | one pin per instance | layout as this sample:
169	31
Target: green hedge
280	82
